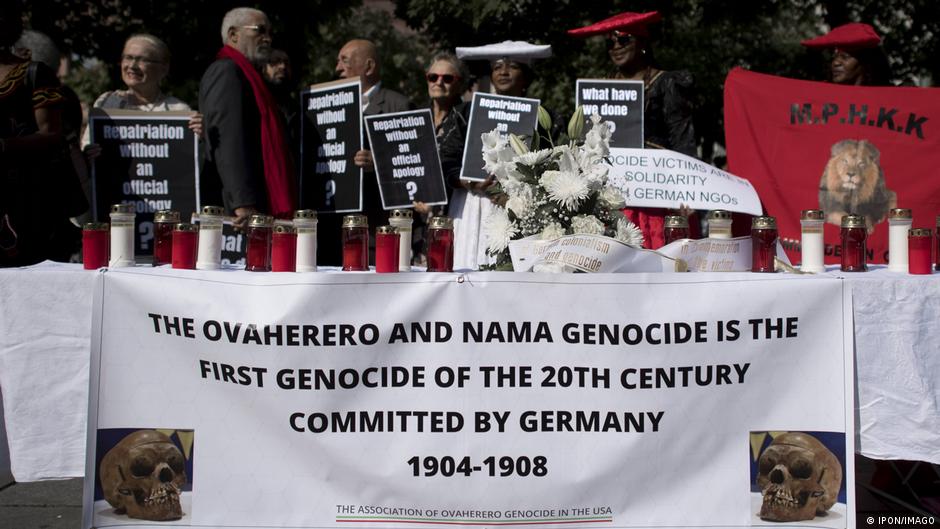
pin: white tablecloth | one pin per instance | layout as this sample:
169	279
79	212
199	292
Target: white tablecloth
45	321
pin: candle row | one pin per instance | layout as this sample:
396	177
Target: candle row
271	246
909	249
391	244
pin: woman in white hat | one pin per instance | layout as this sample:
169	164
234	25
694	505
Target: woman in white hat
510	75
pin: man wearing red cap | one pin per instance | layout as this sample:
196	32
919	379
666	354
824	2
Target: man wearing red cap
667	112
857	58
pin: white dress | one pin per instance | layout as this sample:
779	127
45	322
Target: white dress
469	211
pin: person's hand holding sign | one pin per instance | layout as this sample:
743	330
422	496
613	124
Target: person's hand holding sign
363	159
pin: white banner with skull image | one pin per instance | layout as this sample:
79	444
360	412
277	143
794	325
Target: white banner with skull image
228	399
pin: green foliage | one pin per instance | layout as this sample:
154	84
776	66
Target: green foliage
88	80
403	56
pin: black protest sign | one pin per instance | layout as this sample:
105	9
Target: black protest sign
407	164
617	101
508	115
148	159
330	136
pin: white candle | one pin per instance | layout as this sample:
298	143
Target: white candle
719	224
209	256
305	221
122	235
402	219
899	221
811	241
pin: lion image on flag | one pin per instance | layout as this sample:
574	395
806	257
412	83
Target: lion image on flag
853	182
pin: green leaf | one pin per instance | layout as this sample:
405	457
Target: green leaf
576	124
545	119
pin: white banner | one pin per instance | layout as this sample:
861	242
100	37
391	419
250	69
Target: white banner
230	399
661	178
716	255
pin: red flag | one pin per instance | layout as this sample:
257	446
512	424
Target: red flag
842	149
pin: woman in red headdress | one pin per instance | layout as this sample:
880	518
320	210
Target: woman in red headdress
667	114
857	56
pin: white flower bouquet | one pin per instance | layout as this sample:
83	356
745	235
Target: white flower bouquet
552	192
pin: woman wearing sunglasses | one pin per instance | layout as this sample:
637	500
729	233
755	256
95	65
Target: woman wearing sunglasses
447	78
667	112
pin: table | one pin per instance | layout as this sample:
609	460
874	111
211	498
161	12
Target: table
45	321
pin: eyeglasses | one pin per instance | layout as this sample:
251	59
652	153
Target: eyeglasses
446	78
261	29
619	39
135	59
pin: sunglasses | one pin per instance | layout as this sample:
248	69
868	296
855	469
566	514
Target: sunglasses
446	78
261	29
619	39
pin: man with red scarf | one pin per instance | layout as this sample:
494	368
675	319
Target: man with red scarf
247	161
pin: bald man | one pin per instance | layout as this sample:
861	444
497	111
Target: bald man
359	58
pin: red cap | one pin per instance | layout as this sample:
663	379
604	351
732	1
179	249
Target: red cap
852	36
633	23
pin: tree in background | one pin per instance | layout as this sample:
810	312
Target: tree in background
707	37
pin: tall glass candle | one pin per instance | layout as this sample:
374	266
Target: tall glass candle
441	244
763	244
210	238
675	227
163	223
185	243
854	234
355	243
899	223
305	222
919	244
386	249
402	219
812	246
284	249
122	235
259	232
95	245
719	224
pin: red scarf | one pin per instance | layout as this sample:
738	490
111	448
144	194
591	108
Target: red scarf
278	169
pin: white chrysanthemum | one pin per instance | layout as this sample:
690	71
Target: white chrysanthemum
498	230
551	232
611	198
534	158
628	233
521	199
587	224
566	188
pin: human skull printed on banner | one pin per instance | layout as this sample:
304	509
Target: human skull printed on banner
799	478
142	476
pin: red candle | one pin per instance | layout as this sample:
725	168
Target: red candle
185	244
386	249
675	227
95	238
919	243
441	245
284	249
258	254
763	244
854	232
164	221
355	243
